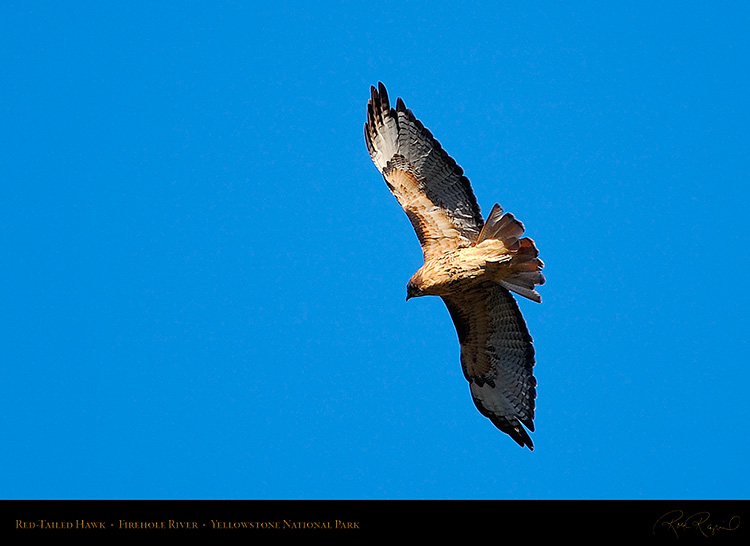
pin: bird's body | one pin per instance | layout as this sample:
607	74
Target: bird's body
465	268
471	264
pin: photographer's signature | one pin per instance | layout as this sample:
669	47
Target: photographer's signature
677	522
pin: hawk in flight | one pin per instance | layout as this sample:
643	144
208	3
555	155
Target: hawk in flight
471	263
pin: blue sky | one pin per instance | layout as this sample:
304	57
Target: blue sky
204	274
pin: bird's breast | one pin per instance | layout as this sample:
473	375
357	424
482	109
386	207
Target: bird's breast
451	272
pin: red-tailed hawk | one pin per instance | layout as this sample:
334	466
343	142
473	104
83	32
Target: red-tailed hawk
470	263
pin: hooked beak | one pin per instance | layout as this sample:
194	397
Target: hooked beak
411	292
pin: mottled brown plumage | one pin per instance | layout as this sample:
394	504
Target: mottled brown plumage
469	263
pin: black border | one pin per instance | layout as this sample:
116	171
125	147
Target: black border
664	521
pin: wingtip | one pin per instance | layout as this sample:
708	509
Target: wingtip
508	424
524	440
521	437
382	94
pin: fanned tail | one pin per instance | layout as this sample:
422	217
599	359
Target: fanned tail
524	272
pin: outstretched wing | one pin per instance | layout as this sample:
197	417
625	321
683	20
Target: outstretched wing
497	357
425	180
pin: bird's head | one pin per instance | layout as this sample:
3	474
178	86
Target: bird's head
413	290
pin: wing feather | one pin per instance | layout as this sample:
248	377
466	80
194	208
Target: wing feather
426	181
497	357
